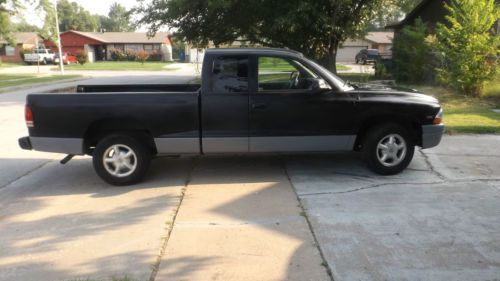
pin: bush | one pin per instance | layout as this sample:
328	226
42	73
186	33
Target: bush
82	57
118	55
142	56
467	46
413	55
155	56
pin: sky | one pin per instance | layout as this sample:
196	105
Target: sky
100	7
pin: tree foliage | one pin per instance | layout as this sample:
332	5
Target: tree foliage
391	11
468	45
74	17
313	27
412	54
117	20
8	8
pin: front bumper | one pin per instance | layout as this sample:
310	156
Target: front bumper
431	135
25	143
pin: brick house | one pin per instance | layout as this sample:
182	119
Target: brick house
98	45
24	40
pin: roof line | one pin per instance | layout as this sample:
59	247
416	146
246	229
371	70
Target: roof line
410	14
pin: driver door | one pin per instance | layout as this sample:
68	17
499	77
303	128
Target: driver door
288	115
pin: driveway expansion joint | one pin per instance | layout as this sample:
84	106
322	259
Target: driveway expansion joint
27	173
170	226
303	213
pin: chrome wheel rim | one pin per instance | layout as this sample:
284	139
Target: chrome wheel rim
120	160
391	150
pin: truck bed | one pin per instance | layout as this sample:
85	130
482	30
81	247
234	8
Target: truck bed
75	116
138	88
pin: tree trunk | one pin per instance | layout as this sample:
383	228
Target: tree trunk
330	60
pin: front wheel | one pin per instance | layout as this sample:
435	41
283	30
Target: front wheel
121	160
388	149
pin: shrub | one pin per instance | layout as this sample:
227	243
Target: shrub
142	56
82	57
118	55
412	55
468	48
155	56
130	55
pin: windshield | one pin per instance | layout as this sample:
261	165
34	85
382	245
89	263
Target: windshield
339	83
373	52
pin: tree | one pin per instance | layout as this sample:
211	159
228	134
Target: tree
24	26
313	27
468	45
74	17
391	11
7	10
119	19
412	54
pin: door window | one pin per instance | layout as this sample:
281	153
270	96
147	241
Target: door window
284	75
229	75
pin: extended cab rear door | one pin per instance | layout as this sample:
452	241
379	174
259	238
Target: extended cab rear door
224	100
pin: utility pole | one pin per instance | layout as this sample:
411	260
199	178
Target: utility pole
61	60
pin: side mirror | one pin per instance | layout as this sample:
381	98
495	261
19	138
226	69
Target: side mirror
318	84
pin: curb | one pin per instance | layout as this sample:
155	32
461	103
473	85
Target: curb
34	85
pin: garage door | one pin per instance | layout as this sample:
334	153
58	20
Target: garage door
347	53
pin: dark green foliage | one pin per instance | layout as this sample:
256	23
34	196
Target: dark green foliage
74	17
313	27
413	56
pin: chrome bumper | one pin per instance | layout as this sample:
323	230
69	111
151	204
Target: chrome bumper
431	135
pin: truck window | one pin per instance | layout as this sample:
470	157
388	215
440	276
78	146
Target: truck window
282	74
229	75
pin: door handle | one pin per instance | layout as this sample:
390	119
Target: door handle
259	106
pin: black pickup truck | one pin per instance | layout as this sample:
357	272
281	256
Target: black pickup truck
249	101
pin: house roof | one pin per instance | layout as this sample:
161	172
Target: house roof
124	37
380	37
411	15
21	37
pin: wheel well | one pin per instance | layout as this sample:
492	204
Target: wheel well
100	129
413	127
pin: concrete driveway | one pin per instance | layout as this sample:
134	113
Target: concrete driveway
297	217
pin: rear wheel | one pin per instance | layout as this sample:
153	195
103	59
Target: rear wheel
388	149
121	160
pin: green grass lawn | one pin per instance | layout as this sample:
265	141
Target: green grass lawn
121	66
462	114
10	64
9	80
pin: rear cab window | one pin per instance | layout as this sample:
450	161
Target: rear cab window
229	74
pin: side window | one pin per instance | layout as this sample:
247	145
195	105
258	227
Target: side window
229	75
276	73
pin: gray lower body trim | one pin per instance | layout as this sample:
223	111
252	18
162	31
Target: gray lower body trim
431	135
302	143
225	145
177	145
59	145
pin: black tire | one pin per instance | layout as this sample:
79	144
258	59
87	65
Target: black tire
140	160
44	62
373	154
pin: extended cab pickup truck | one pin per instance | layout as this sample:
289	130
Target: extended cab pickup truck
249	101
43	56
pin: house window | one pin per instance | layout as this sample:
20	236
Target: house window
120	46
148	47
156	47
10	51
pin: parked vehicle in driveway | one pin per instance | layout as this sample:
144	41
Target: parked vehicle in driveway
68	58
42	56
367	55
249	101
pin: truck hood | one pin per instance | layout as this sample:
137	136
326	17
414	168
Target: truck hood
389	92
